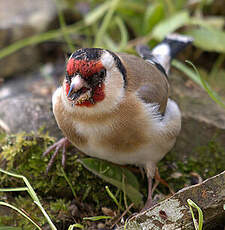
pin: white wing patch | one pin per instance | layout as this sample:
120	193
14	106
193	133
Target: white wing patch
162	53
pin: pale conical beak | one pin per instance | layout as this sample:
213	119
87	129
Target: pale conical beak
76	84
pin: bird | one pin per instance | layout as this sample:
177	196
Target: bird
116	107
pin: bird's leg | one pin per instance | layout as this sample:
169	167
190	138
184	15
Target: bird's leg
148	203
160	180
62	143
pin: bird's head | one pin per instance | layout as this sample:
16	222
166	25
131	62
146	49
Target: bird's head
94	76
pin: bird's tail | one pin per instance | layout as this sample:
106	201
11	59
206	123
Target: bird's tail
166	50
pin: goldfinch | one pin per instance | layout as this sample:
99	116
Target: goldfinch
116	106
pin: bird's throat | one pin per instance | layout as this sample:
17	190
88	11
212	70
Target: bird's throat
98	95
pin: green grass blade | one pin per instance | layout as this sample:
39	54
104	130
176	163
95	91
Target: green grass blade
188	71
113	197
105	23
154	13
71	227
216	22
9	228
95	218
10	173
38	38
209	39
63	27
69	183
170	7
200	215
13	189
110	44
123	33
217	65
195	76
96	13
170	24
124	192
125	225
20	212
45	215
32	194
208	89
30	189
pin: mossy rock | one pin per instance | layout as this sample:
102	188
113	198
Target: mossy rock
22	154
205	161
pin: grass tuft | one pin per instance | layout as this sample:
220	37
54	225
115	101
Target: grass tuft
33	195
199	225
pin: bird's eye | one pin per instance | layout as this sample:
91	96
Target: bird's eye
102	73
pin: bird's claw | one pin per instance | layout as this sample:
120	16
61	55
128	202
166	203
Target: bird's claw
62	143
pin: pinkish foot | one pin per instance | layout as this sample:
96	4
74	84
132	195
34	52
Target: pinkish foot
62	143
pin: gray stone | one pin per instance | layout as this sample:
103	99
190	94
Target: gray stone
202	118
26	14
19	20
174	213
25	104
28	113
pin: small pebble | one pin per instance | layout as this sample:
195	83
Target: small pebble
176	175
100	225
108	211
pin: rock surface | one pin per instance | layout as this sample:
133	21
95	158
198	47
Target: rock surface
202	119
27	112
25	104
18	21
174	213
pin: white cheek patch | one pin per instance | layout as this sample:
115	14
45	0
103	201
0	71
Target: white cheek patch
107	60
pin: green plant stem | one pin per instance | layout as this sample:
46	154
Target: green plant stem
63	27
95	218
20	212
170	6
13	189
208	89
123	32
96	13
46	215
69	183
219	61
124	192
30	189
33	196
200	214
38	38
113	197
200	7
105	24
71	227
189	72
